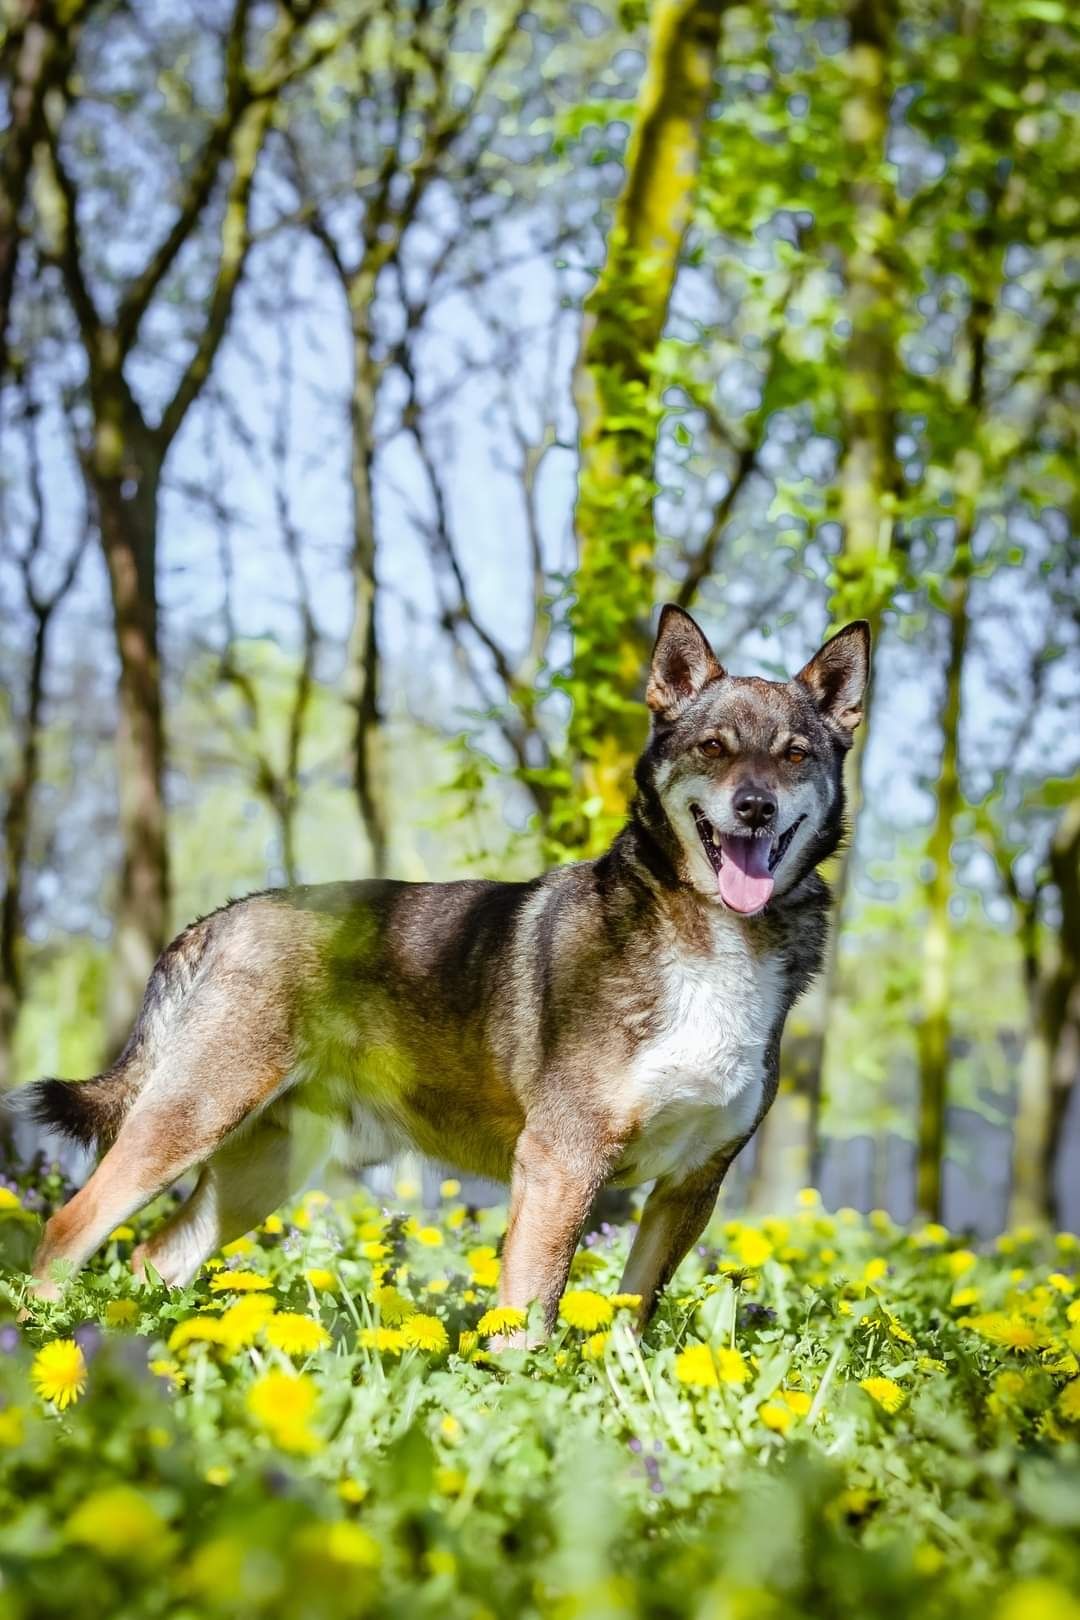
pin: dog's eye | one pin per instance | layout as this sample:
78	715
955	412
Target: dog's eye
712	747
795	756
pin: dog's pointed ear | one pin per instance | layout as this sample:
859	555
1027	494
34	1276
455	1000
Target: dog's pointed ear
683	664
837	674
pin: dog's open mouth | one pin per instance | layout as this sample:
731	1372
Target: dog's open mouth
744	863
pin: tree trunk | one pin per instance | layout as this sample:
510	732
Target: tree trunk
16	837
124	473
935	1028
1051	1056
362	658
865	572
618	413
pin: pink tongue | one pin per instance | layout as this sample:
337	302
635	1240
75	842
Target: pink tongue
744	879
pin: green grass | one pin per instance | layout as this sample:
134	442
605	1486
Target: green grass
732	1465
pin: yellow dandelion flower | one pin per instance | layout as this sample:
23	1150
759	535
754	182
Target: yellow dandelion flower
808	1198
1063	1284
406	1190
884	1392
371	1231
450	1481
9	1201
429	1236
283	1404
437	1285
483	1266
121	1313
752	1248
584	1309
1038	1600
240	1245
59	1372
352	1491
383	1338
119	1522
501	1319
295	1334
797	1400
321	1279
242	1323
1068	1402
340	1542
731	1366
776	1416
198	1330
238	1282
626	1302
695	1366
875	1270
456	1218
963	1298
393	1306
467	1342
162	1367
450	1187
930	1236
897	1330
218	1476
426	1333
449	1427
593	1347
273	1226
959	1261
1010	1331
121	1234
375	1250
11	1426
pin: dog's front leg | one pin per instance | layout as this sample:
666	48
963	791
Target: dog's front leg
675	1215
553	1185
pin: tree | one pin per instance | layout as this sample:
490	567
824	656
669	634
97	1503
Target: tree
125	442
619	408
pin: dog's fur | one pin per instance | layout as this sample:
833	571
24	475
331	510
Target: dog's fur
614	1021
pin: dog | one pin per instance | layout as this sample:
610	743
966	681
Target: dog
610	1023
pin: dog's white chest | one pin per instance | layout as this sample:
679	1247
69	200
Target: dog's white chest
695	1083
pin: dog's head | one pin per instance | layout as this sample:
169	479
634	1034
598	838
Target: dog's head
746	775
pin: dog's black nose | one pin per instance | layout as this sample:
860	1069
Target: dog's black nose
754	807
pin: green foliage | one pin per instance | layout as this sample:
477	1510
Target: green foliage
830	1417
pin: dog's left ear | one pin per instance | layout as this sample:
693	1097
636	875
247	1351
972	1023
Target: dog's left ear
683	664
837	675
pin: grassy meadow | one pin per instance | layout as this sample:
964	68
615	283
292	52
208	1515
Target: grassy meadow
829	1416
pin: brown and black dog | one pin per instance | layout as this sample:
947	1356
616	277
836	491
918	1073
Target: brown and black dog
612	1022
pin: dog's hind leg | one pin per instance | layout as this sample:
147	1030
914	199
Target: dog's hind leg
254	1171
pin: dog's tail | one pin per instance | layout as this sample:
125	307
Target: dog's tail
90	1112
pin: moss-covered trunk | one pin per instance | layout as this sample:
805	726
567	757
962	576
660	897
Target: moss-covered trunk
618	412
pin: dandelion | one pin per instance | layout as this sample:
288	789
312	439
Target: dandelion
501	1319
1010	1331
429	1236
273	1226
340	1542
240	1245
776	1416
242	1323
121	1313
437	1285
450	1481
283	1405
626	1302
374	1250
930	1236
218	1476
406	1190
238	1282
959	1261
808	1198
964	1298
1062	1283
1068	1402
9	1201
584	1309
449	1427
884	1392
483	1266
467	1342
162	1367
393	1306
1038	1600
119	1522
449	1188
423	1332
11	1426
389	1339
295	1334
593	1347
875	1270
121	1234
322	1280
797	1401
897	1330
59	1372
752	1248
198	1330
695	1366
352	1491
371	1231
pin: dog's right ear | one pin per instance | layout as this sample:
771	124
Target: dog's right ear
683	664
